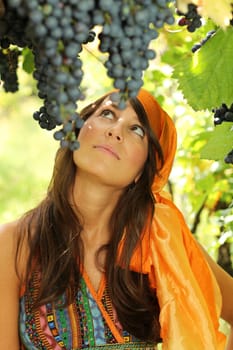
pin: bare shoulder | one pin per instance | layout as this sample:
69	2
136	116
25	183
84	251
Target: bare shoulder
8	228
9	247
9	287
8	233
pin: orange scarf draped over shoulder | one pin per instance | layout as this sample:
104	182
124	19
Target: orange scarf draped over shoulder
188	294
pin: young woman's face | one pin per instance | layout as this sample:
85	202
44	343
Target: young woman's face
113	146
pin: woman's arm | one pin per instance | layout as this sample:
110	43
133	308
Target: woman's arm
9	290
225	282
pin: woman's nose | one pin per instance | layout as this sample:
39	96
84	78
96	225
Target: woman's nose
115	133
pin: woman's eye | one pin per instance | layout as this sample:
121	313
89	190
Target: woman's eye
107	114
138	130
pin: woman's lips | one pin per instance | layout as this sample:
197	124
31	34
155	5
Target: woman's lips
108	149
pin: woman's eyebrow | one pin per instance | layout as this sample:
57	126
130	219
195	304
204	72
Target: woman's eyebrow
114	105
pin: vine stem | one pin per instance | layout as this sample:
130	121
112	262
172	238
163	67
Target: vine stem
91	53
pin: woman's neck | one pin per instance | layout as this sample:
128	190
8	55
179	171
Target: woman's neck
95	203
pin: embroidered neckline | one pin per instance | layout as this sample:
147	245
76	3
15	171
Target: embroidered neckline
76	326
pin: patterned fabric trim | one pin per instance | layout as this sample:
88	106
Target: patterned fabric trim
129	346
88	323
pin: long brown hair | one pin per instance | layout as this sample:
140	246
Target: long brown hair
52	231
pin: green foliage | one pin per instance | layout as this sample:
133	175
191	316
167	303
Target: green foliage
205	77
219	143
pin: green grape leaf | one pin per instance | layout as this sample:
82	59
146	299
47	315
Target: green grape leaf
28	60
220	142
205	77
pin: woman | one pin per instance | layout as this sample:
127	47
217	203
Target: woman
106	260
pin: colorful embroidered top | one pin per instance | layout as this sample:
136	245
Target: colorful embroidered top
90	322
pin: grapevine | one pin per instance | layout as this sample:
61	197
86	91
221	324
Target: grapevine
56	32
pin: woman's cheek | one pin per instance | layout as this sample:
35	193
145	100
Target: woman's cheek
85	130
138	157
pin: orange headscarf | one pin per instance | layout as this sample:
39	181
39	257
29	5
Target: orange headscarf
165	130
187	291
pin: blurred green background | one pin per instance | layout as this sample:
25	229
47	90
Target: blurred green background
26	152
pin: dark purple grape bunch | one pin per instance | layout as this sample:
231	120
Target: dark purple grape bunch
229	157
223	114
56	30
191	19
8	68
126	36
12	39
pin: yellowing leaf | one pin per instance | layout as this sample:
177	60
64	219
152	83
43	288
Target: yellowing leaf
220	13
